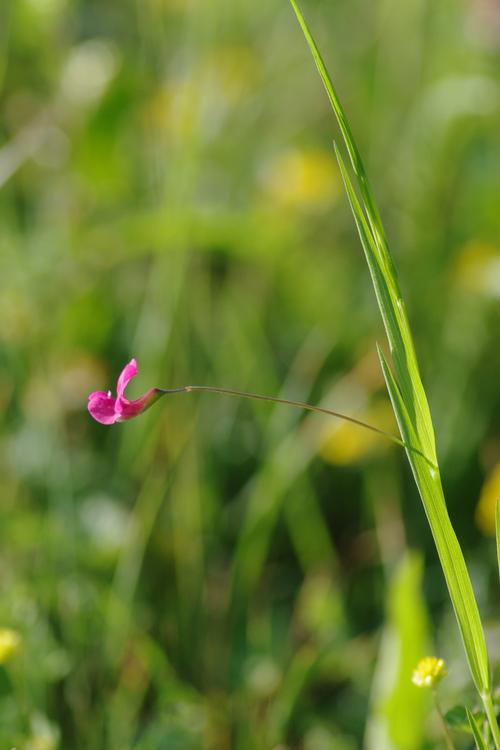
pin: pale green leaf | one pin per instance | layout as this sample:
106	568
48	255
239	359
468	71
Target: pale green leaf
398	708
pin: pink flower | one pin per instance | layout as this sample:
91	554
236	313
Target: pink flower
108	410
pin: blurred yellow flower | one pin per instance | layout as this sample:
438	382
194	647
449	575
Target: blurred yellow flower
302	179
202	97
477	268
10	641
345	443
485	508
175	106
234	71
429	672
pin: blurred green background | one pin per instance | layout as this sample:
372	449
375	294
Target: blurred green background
220	574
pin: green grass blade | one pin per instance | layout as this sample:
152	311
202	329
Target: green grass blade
391	306
452	561
478	737
342	120
405	361
406	390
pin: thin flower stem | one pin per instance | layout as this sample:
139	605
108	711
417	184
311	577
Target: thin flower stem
298	405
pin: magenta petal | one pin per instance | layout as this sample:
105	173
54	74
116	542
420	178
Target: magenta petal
102	407
128	372
126	409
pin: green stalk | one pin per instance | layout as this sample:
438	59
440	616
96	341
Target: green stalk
492	718
408	395
297	404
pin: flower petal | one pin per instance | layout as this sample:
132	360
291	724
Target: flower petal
126	409
128	372
102	407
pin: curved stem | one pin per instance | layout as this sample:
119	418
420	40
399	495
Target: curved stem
298	405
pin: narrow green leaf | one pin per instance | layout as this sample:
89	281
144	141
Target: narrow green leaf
403	353
342	120
481	744
389	302
428	481
407	392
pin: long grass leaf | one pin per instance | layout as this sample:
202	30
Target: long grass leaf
391	306
452	561
343	122
405	360
407	392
